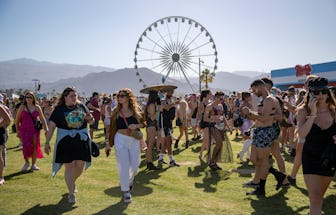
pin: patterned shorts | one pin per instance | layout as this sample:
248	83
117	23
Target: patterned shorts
263	136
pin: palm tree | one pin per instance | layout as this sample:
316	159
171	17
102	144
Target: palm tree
207	77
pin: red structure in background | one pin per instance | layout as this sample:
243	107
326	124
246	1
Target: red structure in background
303	70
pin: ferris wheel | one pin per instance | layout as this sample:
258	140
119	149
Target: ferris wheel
176	47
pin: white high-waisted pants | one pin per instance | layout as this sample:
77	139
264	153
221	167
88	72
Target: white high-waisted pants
127	152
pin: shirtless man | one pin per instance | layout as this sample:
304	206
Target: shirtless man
215	116
182	121
167	115
275	147
264	134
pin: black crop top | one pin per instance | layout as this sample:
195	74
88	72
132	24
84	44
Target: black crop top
121	122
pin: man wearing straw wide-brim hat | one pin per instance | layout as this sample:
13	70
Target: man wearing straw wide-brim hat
167	115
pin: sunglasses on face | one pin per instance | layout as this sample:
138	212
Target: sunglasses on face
28	97
122	96
317	92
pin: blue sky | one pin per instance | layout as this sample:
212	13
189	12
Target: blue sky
258	35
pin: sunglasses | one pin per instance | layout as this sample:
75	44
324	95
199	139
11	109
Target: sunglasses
121	96
317	92
28	97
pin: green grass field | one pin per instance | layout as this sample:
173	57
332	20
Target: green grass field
189	189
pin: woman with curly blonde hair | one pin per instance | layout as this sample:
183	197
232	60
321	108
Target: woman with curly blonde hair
126	117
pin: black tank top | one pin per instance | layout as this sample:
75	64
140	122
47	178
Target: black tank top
121	122
318	139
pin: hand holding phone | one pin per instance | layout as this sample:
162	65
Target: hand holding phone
312	104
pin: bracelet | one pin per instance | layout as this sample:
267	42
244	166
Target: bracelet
47	143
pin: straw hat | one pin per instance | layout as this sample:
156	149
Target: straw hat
161	88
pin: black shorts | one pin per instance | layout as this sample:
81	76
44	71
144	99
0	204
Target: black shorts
95	124
179	122
3	136
206	124
70	149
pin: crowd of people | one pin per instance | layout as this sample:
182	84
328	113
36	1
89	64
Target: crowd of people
270	121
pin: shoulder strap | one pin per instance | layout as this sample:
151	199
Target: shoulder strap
85	108
123	116
30	114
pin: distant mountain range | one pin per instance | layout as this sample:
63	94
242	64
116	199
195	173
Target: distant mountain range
19	73
24	70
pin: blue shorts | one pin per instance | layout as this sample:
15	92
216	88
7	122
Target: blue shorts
263	136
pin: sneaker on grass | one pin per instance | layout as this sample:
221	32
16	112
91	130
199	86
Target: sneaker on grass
127	197
25	167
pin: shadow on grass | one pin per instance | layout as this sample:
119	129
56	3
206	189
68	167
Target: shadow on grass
197	170
196	149
117	208
288	158
329	206
141	180
279	205
17	148
245	170
97	136
211	178
302	190
278	202
9	177
139	189
60	208
238	139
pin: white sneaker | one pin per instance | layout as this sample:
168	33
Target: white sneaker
2	181
127	197
34	167
25	167
72	198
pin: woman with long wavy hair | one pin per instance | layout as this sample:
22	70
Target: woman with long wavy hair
316	120
27	115
127	149
151	116
73	142
204	101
